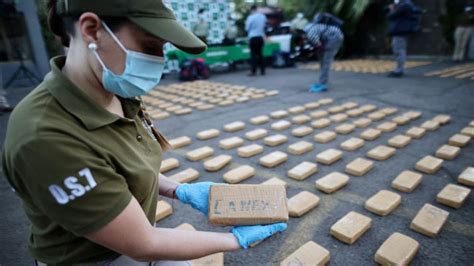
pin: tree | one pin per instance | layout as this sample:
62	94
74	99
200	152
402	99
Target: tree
350	11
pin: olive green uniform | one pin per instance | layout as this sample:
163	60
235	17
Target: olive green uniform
76	166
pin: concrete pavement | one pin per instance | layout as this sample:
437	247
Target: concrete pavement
432	96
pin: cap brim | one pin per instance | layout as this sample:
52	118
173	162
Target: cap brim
172	31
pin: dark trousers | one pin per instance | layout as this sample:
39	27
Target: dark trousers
256	54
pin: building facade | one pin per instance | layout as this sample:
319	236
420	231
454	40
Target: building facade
21	44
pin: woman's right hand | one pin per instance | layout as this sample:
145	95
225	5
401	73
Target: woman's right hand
248	235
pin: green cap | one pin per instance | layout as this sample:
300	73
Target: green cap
150	15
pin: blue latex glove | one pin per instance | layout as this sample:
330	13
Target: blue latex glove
197	195
248	235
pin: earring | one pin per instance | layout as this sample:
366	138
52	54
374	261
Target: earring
92	46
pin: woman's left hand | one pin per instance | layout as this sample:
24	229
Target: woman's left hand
197	195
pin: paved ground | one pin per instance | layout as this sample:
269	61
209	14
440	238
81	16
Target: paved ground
453	246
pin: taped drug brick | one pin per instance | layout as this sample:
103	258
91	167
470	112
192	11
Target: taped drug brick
259	120
453	196
351	227
281	125
416	132
180	142
308	254
321	123
208	134
303	171
352	144
381	153
329	156
239	174
383	202
235	126
230	143
325	137
275	181
256	134
302	131
249	151
399	141
302	203
467	177
370	134
247	205
429	165
168	165
359	167
448	152
429	220
345	129
185	176
273	159
398	249
217	163
459	140
407	181
300	147
163	210
332	182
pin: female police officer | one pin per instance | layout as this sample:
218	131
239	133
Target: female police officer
81	155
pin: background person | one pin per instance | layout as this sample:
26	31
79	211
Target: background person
403	21
255	27
231	33
462	34
299	22
328	38
84	158
201	27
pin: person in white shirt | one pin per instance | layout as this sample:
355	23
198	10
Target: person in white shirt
299	22
255	27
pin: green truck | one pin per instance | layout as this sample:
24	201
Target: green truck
224	54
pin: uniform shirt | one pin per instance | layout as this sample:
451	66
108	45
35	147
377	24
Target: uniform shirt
76	167
320	33
299	23
255	25
201	28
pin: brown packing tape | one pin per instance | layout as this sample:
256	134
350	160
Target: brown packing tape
247	204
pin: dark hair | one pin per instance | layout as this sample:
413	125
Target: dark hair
253	8
63	26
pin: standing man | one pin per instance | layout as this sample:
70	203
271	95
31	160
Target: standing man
404	19
464	27
325	34
255	27
231	33
201	28
299	22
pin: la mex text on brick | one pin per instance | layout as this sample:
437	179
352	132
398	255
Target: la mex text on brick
240	206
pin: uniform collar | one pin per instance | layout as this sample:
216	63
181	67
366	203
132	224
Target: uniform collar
79	104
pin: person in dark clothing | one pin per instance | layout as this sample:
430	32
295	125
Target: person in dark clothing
403	17
462	34
255	27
